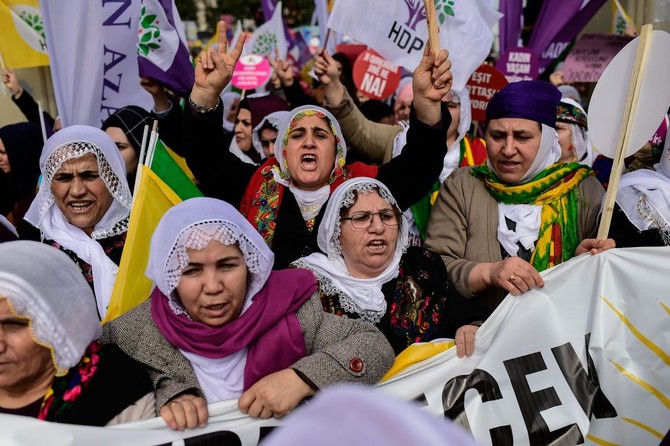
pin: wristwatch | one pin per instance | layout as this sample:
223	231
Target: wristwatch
201	108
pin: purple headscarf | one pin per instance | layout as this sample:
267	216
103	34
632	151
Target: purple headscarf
534	100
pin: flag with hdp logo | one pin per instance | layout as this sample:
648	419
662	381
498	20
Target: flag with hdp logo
23	43
268	36
161	49
398	30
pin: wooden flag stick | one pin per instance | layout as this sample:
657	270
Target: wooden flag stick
2	63
325	41
625	130
431	19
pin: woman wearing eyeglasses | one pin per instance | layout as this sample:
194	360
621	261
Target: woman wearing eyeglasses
367	270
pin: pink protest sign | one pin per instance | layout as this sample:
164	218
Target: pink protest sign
374	76
251	71
588	59
519	64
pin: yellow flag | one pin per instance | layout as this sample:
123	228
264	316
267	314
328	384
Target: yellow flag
132	287
23	42
416	353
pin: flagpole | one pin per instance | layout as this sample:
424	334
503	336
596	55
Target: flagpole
2	63
325	41
42	124
431	19
152	144
626	129
143	147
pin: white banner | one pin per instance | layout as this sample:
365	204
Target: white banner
398	31
584	360
93	51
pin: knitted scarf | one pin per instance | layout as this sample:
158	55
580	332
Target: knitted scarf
555	189
66	389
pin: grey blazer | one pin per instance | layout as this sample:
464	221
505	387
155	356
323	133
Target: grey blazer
339	350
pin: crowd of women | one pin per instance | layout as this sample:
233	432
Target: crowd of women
303	267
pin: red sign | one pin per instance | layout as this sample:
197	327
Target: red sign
519	64
251	71
374	76
482	85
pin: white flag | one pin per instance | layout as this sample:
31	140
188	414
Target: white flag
398	31
93	51
268	36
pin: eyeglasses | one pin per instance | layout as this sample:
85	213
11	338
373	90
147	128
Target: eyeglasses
363	220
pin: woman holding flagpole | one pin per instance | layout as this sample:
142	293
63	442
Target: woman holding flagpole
285	197
497	226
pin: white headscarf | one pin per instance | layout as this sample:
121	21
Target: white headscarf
644	196
70	143
527	216
580	138
227	99
193	224
310	202
44	285
275	119
361	296
453	157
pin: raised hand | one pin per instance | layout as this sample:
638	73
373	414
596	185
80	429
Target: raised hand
431	80
283	69
12	82
214	69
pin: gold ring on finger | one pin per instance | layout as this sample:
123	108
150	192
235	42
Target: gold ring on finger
512	278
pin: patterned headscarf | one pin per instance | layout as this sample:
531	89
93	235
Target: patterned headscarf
42	284
570	112
282	174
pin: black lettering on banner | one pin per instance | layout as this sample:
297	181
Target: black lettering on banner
453	401
420	400
221	438
116	58
265	431
404	39
584	385
532	403
108	84
111	20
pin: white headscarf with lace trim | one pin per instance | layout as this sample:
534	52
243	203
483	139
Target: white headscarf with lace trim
70	143
360	296
43	284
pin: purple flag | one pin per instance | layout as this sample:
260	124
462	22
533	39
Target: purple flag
268	8
162	51
558	23
298	51
510	24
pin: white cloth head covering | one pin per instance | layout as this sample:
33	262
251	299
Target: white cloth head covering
580	138
44	285
310	202
644	196
361	296
235	150
527	216
275	119
194	223
365	416
453	157
227	98
74	142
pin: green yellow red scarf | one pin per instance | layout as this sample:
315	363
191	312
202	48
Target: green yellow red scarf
555	189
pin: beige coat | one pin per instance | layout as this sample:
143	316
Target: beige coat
463	228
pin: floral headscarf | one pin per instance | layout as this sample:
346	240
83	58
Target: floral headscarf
282	174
